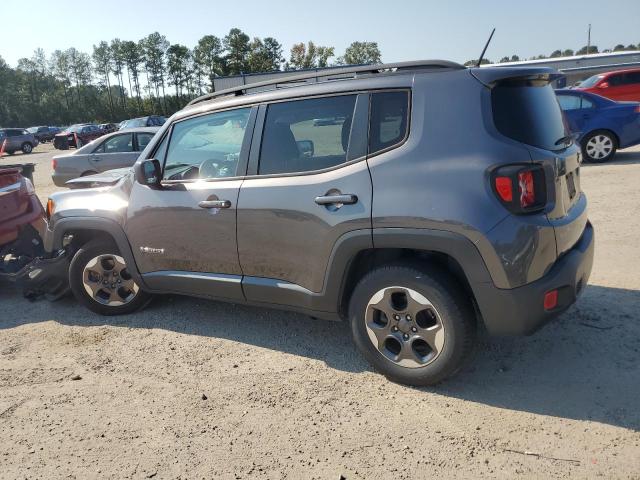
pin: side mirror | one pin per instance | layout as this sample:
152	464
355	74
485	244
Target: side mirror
306	148
604	85
149	173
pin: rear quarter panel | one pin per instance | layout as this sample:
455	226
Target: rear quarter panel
439	179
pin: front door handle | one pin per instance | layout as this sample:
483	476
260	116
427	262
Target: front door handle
343	198
214	204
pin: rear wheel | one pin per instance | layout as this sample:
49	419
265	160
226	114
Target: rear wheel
27	147
100	280
414	326
599	146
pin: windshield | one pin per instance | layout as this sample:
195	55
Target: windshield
136	122
529	113
591	81
32	129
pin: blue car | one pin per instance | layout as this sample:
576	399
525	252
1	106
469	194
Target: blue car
603	125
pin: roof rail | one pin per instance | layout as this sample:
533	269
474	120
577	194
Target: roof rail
338	72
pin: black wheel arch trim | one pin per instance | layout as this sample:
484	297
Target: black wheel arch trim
53	238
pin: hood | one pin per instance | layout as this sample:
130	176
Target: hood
109	177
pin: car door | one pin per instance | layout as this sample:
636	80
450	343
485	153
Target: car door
308	186
578	110
183	234
630	90
116	151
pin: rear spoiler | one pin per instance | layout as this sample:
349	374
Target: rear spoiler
490	76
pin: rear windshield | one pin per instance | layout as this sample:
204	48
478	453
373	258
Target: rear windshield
529	113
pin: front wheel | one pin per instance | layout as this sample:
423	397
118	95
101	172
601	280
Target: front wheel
100	280
27	148
414	326
599	146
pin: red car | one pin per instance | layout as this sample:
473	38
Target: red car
23	260
620	85
19	207
84	133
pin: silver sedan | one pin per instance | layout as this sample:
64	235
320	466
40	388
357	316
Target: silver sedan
116	150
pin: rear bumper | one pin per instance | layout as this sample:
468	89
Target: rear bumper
59	179
520	311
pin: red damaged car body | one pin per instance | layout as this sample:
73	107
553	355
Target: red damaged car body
19	207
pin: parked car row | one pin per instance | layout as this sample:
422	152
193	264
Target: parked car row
603	112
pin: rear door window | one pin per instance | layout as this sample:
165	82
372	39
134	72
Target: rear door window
143	140
306	135
117	144
528	112
569	102
389	119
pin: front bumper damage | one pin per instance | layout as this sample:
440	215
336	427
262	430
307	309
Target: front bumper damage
26	264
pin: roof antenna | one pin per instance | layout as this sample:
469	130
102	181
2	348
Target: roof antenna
485	48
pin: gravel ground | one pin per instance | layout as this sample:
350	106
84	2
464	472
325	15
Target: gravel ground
196	389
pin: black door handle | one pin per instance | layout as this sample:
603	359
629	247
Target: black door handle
214	204
345	199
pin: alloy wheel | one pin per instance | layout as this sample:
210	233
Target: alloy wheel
404	326
106	279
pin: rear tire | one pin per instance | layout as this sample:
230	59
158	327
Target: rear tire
415	326
27	148
599	146
100	281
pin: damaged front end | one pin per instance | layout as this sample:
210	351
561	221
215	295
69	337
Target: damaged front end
25	263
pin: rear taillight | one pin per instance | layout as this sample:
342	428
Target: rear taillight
527	189
29	189
520	188
54	164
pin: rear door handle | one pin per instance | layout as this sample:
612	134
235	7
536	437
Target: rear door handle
214	204
345	199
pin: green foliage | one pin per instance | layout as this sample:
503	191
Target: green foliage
592	49
310	56
361	53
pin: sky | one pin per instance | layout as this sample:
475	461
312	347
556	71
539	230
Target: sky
404	29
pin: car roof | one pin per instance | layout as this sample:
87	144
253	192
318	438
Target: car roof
132	130
616	72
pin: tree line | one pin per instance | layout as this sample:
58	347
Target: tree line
123	78
586	50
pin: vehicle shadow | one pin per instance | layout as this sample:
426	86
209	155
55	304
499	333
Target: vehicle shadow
584	366
622	157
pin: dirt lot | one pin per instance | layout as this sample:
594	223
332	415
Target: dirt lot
196	389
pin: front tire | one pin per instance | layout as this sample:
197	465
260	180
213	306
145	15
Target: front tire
599	146
413	325
100	281
27	148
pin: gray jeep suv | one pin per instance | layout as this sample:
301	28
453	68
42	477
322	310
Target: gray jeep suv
415	200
